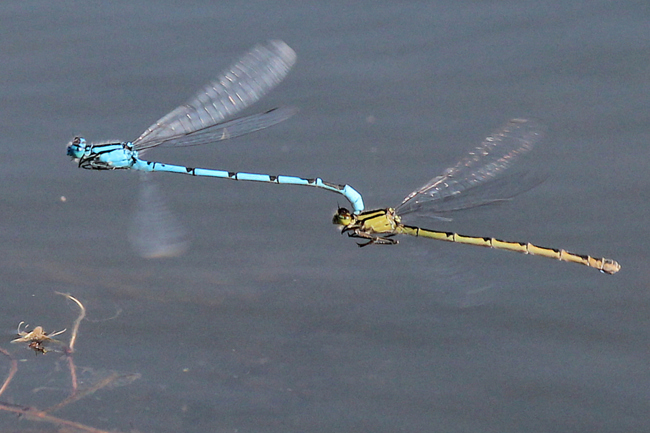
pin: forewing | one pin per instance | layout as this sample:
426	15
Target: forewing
229	129
484	167
246	81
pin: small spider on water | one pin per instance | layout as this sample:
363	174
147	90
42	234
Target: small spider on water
36	338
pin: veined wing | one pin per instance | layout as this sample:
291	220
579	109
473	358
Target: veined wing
484	166
228	129
246	81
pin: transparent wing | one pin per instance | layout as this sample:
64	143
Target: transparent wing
239	86
227	130
484	167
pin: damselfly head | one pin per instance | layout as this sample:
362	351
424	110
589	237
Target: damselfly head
77	148
343	217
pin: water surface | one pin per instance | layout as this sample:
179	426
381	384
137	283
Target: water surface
272	321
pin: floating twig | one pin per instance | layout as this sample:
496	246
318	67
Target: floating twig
37	339
75	325
12	370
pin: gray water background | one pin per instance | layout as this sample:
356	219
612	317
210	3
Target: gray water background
272	321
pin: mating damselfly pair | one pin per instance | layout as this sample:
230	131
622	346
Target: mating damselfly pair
208	117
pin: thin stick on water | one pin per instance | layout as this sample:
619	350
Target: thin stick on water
73	339
75	326
86	392
12	370
35	414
